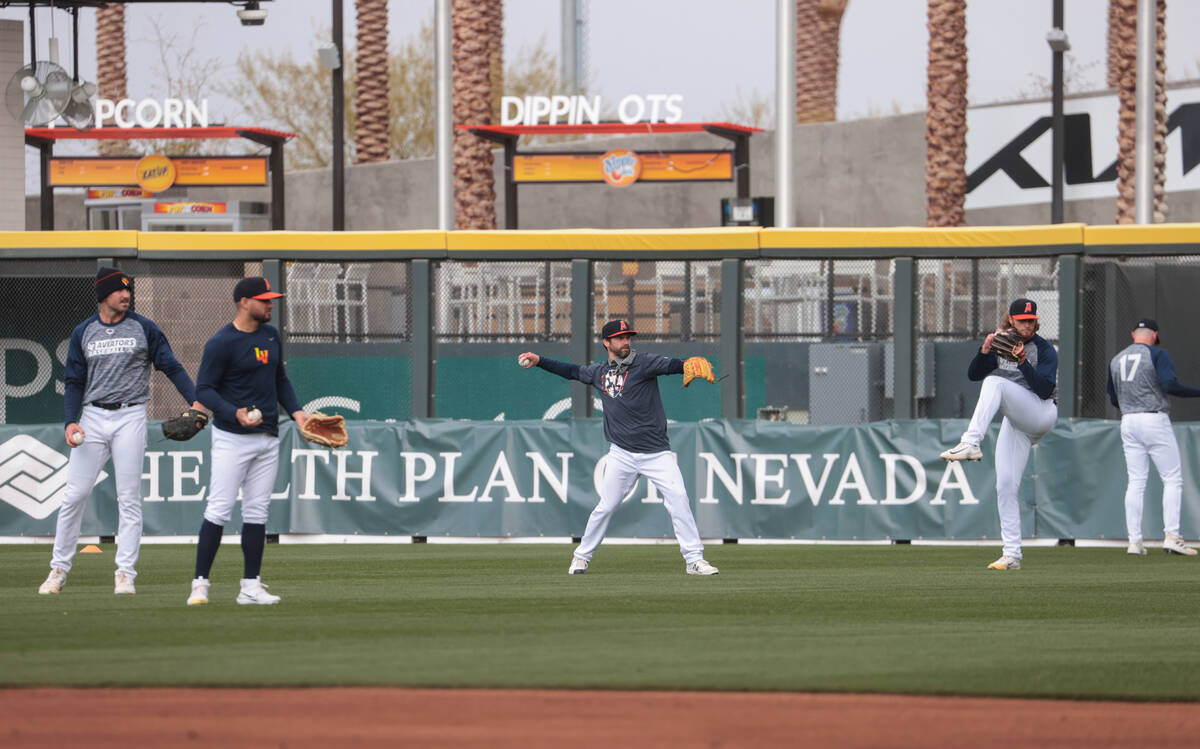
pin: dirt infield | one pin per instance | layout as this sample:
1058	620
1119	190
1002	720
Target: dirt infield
329	717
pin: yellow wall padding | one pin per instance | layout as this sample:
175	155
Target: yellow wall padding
68	239
1142	234
730	238
349	241
915	236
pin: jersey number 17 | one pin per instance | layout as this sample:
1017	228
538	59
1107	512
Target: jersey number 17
1129	362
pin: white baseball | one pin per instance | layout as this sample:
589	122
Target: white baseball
77	438
254	415
525	361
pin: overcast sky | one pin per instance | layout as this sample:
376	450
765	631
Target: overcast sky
709	51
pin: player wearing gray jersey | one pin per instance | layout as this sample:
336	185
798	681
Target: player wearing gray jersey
1140	377
107	387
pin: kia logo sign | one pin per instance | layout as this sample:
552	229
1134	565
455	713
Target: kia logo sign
1008	149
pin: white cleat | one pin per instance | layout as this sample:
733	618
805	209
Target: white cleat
1173	544
124	585
254	591
54	583
578	566
963	451
701	567
1136	547
199	595
1005	563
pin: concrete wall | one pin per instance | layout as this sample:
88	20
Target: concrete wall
12	135
862	173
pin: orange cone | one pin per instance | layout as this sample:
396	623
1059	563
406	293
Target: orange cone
91	549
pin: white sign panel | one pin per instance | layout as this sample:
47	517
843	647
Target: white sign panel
1008	149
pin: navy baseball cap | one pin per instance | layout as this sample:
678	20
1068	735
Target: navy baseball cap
1023	309
615	328
256	287
1147	323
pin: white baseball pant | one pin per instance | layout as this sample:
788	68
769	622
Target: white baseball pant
121	436
620	473
1027	418
246	462
1145	436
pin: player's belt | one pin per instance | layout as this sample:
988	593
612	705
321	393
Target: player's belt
112	406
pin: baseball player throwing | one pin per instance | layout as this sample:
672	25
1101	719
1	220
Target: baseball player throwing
1024	392
1140	377
243	381
107	386
636	426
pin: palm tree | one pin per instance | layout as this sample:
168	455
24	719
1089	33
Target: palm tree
110	63
478	61
946	115
818	28
371	124
1122	75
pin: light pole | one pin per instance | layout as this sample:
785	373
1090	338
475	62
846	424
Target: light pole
339	126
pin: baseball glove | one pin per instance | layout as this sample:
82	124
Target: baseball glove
697	366
1004	342
184	426
326	430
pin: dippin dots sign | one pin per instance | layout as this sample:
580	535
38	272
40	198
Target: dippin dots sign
583	110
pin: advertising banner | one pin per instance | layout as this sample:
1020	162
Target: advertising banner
746	479
674	166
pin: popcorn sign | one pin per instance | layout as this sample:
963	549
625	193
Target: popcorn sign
621	167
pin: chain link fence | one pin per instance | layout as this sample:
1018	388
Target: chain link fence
664	300
351	302
502	301
1116	293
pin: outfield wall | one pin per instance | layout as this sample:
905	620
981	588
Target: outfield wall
747	479
409	332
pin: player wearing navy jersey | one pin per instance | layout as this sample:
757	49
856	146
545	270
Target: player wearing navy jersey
636	426
1025	393
1140	377
243	380
107	386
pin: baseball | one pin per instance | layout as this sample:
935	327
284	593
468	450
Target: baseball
77	438
524	361
254	415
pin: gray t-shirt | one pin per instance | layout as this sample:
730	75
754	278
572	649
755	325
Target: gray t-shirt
1134	379
111	363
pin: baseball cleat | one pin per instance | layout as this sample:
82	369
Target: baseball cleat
123	585
963	451
578	566
199	594
54	583
1173	544
701	567
1005	563
1136	547
254	591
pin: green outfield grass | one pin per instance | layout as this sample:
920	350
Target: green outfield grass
1091	623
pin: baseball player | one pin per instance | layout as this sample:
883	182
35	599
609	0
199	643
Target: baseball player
107	386
636	426
1025	393
243	381
1139	378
